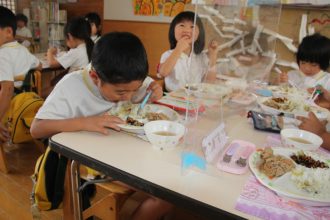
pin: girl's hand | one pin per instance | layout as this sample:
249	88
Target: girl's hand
213	49
52	50
324	93
157	91
4	134
183	44
312	124
102	123
284	77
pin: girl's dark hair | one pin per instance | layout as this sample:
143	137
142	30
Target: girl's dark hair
22	17
7	19
80	29
315	49
120	57
94	18
187	16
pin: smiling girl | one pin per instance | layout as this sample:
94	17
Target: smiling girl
183	64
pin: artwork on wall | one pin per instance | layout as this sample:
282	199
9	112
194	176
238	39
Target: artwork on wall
157	7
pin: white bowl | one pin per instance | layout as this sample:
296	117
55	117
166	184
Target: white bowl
164	134
300	139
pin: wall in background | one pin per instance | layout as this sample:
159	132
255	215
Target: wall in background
154	35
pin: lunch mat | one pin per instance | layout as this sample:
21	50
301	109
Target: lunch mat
259	201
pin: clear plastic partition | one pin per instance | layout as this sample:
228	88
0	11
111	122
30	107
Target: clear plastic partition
244	34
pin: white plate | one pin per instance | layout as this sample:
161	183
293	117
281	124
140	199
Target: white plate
320	112
283	185
209	91
171	114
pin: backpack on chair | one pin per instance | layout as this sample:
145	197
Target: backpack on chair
22	110
48	182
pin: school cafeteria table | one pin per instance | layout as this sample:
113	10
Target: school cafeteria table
211	194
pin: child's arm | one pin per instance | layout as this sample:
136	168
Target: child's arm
166	68
283	77
212	55
314	125
157	91
51	53
20	38
44	128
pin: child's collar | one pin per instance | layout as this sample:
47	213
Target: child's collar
12	43
319	75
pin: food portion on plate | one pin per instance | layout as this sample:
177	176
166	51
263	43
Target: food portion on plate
208	90
288	91
277	105
135	122
283	104
302	176
274	165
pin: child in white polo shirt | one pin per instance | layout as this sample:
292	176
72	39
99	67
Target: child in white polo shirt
77	33
181	64
81	100
15	62
23	34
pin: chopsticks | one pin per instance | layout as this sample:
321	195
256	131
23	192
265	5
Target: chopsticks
144	102
316	92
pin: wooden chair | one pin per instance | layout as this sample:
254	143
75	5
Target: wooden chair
105	208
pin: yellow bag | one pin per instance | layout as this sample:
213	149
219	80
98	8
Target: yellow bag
22	110
48	182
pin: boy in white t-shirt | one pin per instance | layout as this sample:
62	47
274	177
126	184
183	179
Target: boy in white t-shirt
23	34
15	61
81	100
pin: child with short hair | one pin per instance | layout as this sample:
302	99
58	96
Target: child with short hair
23	33
95	21
174	63
15	62
77	33
81	100
313	58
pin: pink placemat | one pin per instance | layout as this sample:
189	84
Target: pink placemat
258	200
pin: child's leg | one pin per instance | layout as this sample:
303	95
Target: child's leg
152	209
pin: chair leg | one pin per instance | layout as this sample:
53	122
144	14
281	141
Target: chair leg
106	208
3	160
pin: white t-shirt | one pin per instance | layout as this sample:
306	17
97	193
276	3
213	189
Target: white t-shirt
24	32
75	58
15	60
182	74
77	96
301	81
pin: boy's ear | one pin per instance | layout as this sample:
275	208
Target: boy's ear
9	32
94	76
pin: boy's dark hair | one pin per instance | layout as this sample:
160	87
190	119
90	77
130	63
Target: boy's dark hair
7	19
80	29
187	16
22	17
315	49
120	57
94	18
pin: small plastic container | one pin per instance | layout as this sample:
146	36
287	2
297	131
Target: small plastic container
235	157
